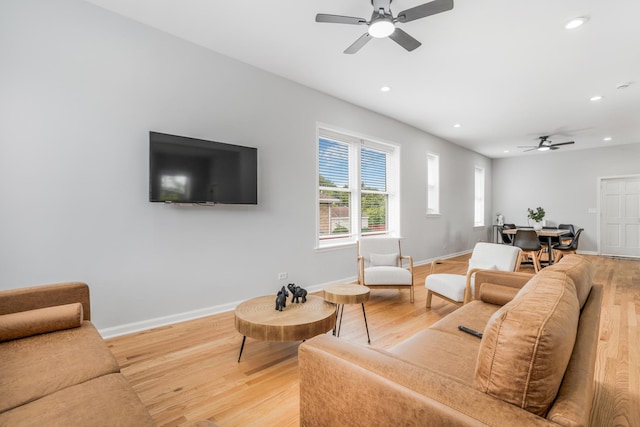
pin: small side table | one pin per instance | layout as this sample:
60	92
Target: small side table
347	294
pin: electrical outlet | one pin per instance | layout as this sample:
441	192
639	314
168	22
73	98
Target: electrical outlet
282	276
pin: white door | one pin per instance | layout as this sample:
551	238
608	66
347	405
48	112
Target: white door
620	216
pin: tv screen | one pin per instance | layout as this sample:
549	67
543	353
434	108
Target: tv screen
189	170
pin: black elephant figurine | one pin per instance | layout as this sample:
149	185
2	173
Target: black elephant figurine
296	293
281	299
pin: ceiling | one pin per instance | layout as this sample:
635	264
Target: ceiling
507	71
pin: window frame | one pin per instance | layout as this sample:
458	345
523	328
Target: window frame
356	142
479	196
433	185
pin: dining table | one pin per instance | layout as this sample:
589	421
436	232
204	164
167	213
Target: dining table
549	233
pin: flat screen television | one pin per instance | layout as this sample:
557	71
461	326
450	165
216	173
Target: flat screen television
189	170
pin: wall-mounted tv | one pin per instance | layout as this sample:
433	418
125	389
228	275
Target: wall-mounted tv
189	170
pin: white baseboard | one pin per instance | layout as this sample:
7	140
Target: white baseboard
130	328
157	322
144	325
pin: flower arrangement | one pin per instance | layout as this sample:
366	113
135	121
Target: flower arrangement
536	215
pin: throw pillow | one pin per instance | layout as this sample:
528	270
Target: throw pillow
528	342
32	322
383	260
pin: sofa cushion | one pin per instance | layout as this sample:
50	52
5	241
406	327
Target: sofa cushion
448	354
474	315
39	321
387	276
108	400
580	270
39	365
528	342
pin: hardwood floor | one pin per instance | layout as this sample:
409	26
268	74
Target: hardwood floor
189	371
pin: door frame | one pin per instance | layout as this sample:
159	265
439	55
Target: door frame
601	179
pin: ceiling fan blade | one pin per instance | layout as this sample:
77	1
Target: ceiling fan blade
424	10
357	45
339	19
527	146
563	143
530	149
404	40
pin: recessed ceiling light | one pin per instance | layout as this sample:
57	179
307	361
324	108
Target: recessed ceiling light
608	138
505	151
576	22
596	98
385	89
457	125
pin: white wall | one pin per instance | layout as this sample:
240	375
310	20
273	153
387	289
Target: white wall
82	87
564	183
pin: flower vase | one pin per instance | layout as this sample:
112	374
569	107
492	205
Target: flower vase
537	225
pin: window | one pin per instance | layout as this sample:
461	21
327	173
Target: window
433	184
478	215
357	193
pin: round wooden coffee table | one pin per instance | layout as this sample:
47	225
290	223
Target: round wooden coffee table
257	318
347	293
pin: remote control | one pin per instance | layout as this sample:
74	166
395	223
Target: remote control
470	331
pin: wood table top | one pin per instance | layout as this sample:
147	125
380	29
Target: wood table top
545	232
346	293
258	318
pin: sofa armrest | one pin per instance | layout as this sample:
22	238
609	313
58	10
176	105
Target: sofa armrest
502	278
32	298
347	384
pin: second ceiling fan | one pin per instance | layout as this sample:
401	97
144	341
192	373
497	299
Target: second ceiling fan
383	23
545	144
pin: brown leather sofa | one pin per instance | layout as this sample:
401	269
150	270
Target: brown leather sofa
534	365
55	369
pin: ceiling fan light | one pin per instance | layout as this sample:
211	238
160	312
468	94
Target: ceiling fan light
544	148
381	28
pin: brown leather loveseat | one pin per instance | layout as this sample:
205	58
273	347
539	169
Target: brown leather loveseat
534	365
55	369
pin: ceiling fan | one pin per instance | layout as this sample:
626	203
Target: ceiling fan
545	144
383	24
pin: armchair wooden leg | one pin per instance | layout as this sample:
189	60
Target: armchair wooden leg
411	295
519	261
429	295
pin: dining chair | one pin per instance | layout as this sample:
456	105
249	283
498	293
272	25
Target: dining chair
381	264
569	248
528	241
544	243
459	288
566	238
507	239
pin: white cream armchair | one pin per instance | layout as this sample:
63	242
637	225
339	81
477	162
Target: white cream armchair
381	264
459	288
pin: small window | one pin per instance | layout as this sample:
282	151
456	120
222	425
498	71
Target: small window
478	216
433	184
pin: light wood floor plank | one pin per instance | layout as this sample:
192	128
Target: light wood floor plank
189	371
